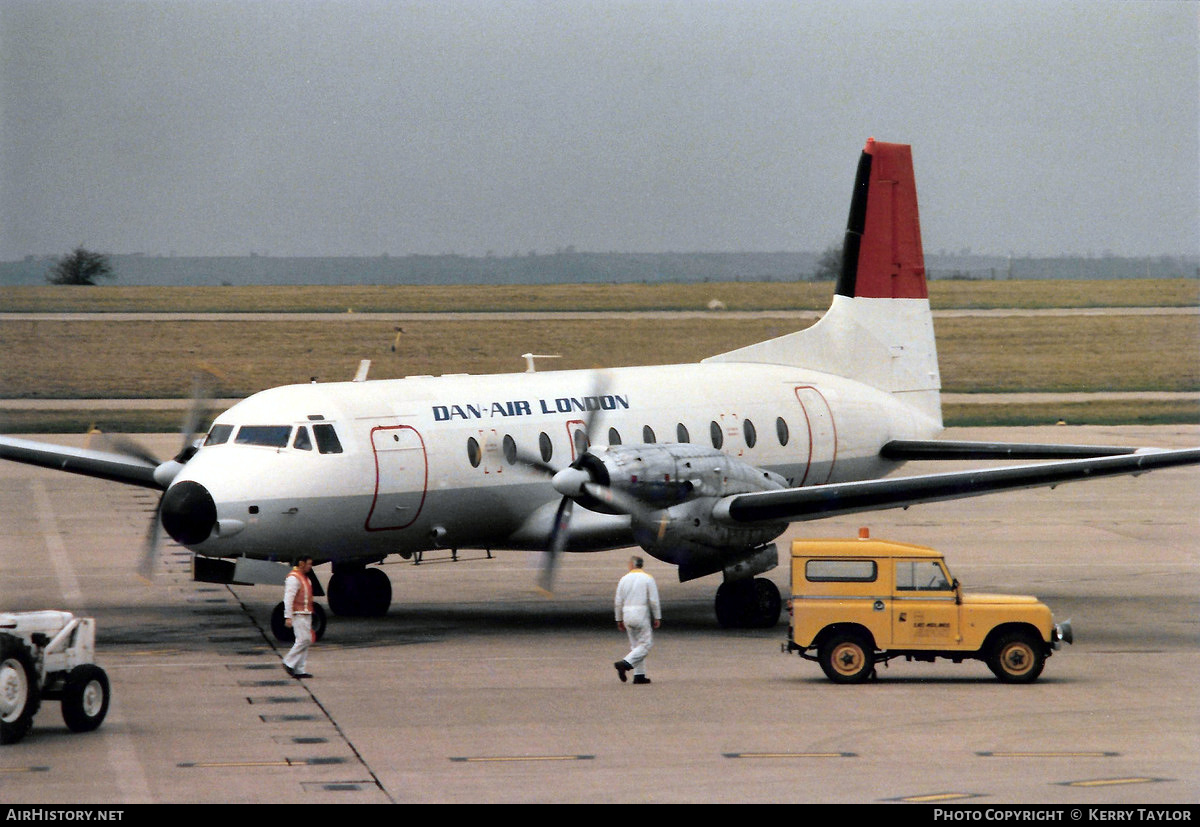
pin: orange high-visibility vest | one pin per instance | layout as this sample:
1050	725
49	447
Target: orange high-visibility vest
303	603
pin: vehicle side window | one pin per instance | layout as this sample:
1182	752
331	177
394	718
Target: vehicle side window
841	571
327	439
219	435
302	440
923	575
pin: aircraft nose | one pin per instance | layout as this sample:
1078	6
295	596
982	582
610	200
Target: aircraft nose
188	512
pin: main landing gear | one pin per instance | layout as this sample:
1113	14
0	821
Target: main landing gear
748	604
354	591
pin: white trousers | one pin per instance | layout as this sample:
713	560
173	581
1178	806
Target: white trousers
298	656
641	638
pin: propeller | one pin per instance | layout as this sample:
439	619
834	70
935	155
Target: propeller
575	482
203	384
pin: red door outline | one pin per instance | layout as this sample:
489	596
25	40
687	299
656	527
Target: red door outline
388	465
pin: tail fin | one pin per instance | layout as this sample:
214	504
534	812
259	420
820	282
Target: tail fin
879	329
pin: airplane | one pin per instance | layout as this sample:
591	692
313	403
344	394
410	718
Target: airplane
702	465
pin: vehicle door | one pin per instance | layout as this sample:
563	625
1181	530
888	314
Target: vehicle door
925	611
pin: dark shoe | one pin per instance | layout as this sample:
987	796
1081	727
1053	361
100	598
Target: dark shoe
622	667
301	675
640	679
288	669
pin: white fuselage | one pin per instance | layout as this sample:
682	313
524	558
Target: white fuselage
430	462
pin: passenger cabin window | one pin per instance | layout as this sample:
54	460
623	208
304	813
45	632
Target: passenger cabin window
269	436
681	433
510	449
473	453
614	438
219	435
718	437
327	439
545	446
581	442
750	433
922	575
781	430
840	571
647	434
302	441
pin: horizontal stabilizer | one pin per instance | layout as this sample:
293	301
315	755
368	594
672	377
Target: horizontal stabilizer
820	501
102	464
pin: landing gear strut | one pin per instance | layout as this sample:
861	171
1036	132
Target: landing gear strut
748	604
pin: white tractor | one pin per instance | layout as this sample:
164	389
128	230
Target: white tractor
48	656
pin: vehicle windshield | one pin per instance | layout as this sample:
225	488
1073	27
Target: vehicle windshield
271	436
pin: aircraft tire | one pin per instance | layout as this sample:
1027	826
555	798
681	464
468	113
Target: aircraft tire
748	604
847	657
360	592
1017	657
284	634
85	697
19	692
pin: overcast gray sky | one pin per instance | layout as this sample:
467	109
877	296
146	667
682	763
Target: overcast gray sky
356	127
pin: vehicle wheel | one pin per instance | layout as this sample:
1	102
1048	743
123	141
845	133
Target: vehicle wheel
19	692
1017	657
85	698
847	657
284	634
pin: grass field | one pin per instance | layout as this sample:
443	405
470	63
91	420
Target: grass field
106	358
689	296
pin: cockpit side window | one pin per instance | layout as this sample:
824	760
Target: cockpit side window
302	441
327	439
270	436
219	435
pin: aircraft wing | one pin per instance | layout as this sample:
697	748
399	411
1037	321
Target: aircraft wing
817	501
946	449
106	465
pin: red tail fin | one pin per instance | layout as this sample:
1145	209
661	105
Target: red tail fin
882	257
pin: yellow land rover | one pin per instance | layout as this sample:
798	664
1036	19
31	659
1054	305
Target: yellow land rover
860	602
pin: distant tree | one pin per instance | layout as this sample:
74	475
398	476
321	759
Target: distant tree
81	267
829	265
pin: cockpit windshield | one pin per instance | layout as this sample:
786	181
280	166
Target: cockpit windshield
270	436
219	435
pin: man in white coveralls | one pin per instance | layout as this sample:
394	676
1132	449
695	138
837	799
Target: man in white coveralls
638	613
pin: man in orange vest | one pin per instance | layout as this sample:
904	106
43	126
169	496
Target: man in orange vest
297	614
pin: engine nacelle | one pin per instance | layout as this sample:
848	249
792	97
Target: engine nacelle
677	484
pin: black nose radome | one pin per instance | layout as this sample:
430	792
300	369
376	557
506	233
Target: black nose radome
188	513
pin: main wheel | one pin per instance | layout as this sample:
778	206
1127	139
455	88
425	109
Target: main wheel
360	592
748	604
847	657
284	634
85	698
1017	657
19	694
